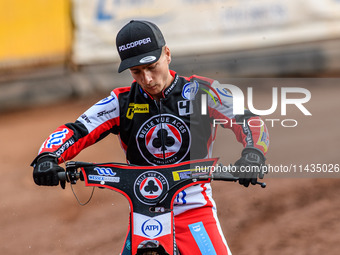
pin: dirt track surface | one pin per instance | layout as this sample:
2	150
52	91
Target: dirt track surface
291	216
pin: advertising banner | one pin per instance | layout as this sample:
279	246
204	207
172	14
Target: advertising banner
34	31
204	26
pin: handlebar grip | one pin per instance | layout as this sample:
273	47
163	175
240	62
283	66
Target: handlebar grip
62	176
71	177
223	176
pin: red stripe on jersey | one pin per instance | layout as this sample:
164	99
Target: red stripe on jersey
89	139
118	91
211	139
209	203
122	144
56	139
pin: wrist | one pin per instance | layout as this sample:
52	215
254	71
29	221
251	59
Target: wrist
254	150
45	156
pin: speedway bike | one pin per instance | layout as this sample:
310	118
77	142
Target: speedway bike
151	191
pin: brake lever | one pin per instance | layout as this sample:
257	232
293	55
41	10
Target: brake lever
63	184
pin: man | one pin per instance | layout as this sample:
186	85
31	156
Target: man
159	121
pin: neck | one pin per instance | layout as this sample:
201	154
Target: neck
169	81
157	97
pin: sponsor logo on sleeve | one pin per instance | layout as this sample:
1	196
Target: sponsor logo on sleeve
264	138
85	118
105	100
105	112
224	92
57	138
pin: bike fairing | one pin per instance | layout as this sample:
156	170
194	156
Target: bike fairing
154	133
149	222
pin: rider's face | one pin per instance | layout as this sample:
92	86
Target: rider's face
155	77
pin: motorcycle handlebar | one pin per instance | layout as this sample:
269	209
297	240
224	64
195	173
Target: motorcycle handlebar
62	176
72	175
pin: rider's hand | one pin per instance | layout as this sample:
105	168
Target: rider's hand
46	170
253	160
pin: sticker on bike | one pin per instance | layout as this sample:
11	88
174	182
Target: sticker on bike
149	186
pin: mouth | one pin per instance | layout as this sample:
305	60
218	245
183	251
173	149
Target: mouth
153	87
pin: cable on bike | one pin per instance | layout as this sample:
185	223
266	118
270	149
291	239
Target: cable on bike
75	195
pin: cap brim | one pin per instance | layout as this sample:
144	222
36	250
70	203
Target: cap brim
143	59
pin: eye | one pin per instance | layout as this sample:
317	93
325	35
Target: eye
151	67
135	72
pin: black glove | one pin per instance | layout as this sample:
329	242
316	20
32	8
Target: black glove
46	170
253	160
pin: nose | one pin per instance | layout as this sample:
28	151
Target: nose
146	77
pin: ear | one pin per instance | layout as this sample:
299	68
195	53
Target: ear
167	54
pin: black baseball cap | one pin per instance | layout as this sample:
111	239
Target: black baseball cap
138	43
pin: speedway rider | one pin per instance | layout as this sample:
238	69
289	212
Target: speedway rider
158	120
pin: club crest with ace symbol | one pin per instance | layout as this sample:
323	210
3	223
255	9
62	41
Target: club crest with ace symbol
169	141
164	139
149	186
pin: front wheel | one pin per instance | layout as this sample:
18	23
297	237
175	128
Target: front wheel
151	247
